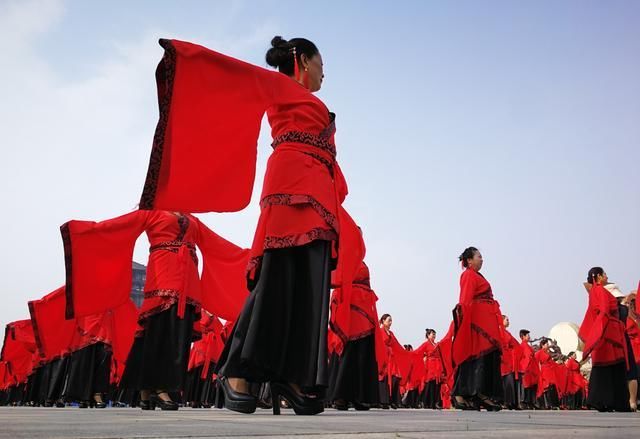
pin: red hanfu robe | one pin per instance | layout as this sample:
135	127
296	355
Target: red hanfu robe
575	380
511	355
477	319
434	367
19	350
99	273
209	347
548	375
205	146
529	366
364	314
601	330
394	360
115	328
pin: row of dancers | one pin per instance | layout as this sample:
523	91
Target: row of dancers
292	337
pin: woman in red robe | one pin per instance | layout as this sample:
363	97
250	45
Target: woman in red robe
548	382
632	368
529	371
509	367
204	158
477	340
353	377
574	394
604	340
99	275
199	389
430	395
390	365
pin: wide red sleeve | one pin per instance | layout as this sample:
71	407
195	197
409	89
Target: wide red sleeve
224	284
53	334
204	150
98	262
595	321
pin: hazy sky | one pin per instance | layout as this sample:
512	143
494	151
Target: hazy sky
511	126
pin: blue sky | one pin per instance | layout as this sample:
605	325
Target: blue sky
511	126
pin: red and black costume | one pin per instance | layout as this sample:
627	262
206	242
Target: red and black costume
530	373
430	393
353	371
548	382
603	334
199	388
203	160
509	369
576	385
477	339
99	274
394	362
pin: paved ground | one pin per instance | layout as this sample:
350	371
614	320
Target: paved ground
24	422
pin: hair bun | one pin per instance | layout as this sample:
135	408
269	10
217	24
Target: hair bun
278	42
279	53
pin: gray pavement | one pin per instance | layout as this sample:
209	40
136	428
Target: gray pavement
71	422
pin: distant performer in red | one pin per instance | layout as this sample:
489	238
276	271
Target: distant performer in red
390	358
529	372
511	355
604	340
477	340
353	376
548	382
574	395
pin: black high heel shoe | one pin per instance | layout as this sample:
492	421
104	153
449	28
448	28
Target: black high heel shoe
361	407
99	404
147	404
301	404
164	405
488	404
238	402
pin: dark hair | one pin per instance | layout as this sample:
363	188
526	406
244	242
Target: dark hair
281	53
593	274
468	253
429	331
524	332
570	354
384	317
544	341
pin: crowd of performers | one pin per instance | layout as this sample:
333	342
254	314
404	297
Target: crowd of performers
292	321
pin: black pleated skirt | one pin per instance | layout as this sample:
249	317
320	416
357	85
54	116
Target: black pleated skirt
431	395
36	387
89	372
159	358
510	390
353	377
17	394
389	395
550	397
58	372
480	376
198	390
281	333
608	388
